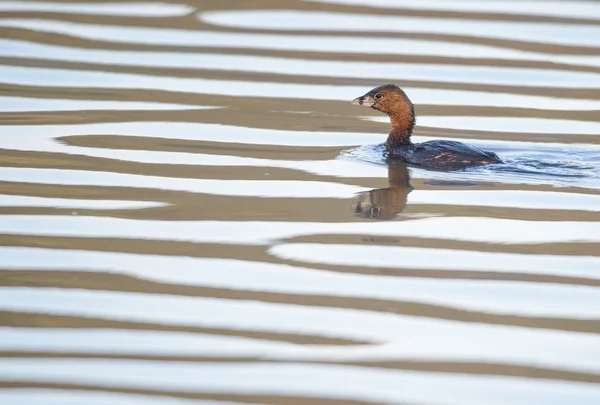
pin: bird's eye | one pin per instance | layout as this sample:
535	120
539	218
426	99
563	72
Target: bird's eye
378	95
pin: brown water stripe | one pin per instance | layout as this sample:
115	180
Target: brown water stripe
256	253
117	282
466	367
38	320
242	398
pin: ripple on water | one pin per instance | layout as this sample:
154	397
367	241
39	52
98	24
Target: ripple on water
549	160
48	396
562	34
488	296
492	75
137	9
473	229
576	9
471	340
527	163
304	380
29	201
313	43
438	259
27	104
28	76
579	355
240	188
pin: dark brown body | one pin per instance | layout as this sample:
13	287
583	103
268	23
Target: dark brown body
442	155
438	155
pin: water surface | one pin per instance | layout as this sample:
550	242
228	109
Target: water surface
192	212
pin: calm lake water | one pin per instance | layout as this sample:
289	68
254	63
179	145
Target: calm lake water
192	212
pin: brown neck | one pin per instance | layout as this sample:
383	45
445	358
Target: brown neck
402	126
403	121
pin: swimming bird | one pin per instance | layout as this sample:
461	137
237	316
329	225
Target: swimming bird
439	154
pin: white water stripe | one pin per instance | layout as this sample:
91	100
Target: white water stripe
73	78
561	351
47	396
140	342
407	336
30	201
526	299
240	188
312	43
306	380
550	33
474	229
522	199
512	124
439	259
514	76
553	8
40	138
23	104
114	9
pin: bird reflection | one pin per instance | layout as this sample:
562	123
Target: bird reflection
386	203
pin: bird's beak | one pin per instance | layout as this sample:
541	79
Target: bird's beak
366	101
